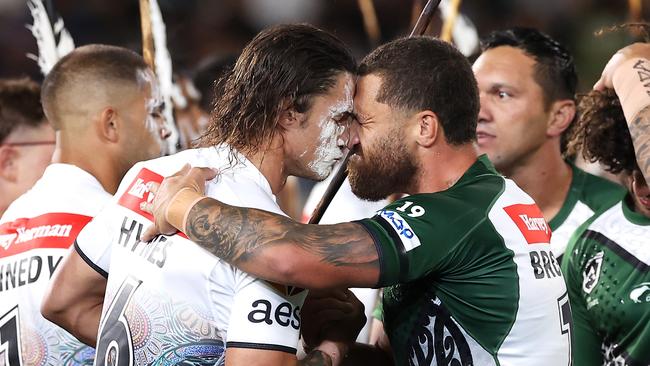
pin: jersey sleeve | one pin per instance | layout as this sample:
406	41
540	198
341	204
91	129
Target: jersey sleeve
265	316
585	342
413	239
93	243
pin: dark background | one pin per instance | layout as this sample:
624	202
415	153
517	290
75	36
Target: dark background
199	29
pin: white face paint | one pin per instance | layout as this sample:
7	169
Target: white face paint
329	142
153	103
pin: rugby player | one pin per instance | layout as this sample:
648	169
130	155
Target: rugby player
282	111
465	259
26	138
607	267
103	105
527	83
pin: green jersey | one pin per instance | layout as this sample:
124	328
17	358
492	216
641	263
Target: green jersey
608	279
587	194
471	275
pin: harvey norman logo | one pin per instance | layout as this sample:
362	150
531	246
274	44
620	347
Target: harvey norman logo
24	234
535	223
51	230
530	222
137	192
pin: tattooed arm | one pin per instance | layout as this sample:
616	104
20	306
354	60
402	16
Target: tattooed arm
266	245
628	73
279	249
640	132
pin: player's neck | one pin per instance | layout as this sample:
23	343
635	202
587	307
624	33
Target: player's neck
271	164
546	177
443	167
90	158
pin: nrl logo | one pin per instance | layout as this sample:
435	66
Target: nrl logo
641	293
591	273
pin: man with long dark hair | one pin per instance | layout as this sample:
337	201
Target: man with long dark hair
282	110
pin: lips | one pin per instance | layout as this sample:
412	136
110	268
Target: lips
645	201
483	137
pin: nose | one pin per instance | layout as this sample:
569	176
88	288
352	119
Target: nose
165	132
352	132
484	113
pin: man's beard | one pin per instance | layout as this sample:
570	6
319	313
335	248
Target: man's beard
384	169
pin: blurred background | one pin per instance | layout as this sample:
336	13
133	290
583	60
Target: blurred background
199	30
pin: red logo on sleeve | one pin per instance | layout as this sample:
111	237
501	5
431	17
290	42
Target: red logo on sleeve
531	223
138	192
51	230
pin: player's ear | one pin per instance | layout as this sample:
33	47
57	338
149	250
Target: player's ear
426	127
108	125
289	117
561	116
8	163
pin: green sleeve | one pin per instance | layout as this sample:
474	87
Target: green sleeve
378	311
585	342
414	237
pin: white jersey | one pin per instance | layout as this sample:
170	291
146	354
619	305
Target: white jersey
170	301
35	233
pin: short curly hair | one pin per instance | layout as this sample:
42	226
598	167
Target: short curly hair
601	133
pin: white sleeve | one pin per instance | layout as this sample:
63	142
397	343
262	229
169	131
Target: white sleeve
265	316
94	242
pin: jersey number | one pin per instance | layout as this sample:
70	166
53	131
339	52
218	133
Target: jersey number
114	346
10	338
566	321
415	211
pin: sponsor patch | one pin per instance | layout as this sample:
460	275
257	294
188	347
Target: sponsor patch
138	192
591	273
408	237
51	230
531	223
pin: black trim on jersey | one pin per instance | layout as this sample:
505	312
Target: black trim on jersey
380	252
264	346
401	251
89	262
620	251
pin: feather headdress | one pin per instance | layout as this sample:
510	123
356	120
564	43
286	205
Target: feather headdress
163	68
53	42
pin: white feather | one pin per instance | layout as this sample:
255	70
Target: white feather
464	32
49	52
163	62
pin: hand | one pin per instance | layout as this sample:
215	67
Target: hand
186	179
334	315
636	50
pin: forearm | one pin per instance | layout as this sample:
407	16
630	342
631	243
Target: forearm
279	249
632	87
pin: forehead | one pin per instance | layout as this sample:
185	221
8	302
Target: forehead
368	87
504	64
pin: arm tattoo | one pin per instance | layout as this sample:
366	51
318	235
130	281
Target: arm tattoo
643	73
316	358
640	132
237	234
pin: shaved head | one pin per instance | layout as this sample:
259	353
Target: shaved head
88	79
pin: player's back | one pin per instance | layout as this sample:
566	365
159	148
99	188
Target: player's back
35	233
169	300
